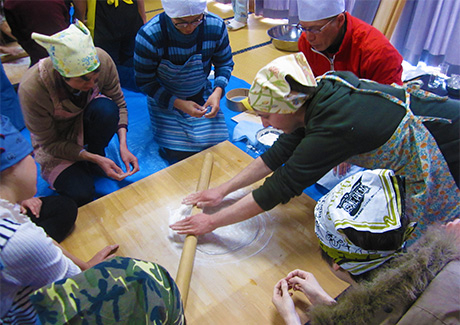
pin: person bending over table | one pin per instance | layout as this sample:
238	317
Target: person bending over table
341	118
173	57
362	230
73	105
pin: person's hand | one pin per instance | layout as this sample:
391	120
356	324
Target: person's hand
130	161
342	169
207	198
33	204
198	224
104	254
111	169
306	282
284	303
190	107
213	102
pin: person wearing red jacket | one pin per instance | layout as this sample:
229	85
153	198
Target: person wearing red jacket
332	39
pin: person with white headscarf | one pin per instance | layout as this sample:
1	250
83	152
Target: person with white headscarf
332	39
73	105
173	58
338	118
362	230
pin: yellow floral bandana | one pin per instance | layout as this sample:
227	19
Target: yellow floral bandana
271	93
72	50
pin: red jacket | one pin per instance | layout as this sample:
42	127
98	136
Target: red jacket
365	51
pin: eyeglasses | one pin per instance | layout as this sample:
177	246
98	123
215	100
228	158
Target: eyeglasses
315	30
194	23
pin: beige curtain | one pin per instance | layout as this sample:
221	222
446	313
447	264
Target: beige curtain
388	15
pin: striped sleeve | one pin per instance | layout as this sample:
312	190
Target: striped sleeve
217	44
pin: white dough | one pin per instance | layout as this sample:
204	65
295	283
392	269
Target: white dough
224	239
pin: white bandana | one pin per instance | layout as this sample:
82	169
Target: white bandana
371	200
183	8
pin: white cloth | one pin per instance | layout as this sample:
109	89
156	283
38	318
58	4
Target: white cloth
313	10
183	8
29	258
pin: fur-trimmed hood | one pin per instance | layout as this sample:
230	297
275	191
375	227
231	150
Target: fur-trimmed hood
394	287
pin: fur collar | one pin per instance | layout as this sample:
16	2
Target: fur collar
392	288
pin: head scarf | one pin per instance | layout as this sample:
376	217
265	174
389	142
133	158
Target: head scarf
13	146
313	10
183	8
371	200
72	50
271	93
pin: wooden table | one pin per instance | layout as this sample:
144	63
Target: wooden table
227	289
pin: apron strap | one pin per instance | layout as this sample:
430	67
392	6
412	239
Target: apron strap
392	98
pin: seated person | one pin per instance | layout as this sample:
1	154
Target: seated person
332	39
173	58
29	259
362	230
72	105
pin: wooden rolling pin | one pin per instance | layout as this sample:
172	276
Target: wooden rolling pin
184	273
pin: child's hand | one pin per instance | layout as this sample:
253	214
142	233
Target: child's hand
33	204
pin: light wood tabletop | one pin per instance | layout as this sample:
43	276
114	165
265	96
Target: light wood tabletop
230	285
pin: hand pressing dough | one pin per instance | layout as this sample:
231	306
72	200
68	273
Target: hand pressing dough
249	236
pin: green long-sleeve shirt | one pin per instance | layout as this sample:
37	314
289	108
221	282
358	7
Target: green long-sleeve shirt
341	123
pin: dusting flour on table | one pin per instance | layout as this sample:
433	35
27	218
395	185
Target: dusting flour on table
226	239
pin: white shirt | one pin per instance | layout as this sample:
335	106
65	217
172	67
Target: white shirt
29	258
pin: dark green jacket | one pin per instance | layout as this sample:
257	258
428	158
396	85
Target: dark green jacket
341	123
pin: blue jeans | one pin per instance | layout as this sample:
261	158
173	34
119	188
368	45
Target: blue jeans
100	122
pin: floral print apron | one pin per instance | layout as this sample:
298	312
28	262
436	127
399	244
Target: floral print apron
431	192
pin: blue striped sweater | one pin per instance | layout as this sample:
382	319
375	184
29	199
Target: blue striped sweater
149	51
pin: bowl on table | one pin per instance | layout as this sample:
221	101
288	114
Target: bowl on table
234	98
266	137
285	37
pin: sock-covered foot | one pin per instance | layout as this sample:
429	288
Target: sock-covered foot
234	25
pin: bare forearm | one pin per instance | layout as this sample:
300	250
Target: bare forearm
80	263
254	172
122	137
244	209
